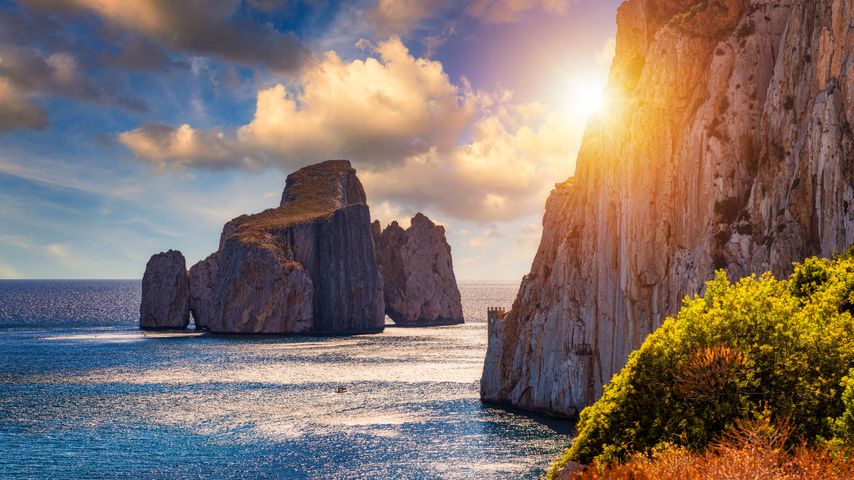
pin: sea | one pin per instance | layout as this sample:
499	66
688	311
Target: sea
84	394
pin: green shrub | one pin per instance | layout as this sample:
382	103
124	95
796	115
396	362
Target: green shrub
742	348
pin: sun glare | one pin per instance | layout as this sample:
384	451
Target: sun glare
584	96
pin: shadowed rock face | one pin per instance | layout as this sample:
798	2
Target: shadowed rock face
307	266
261	290
165	293
202	282
728	144
418	273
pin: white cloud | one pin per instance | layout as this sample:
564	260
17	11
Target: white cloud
516	155
387	212
420	142
375	111
165	146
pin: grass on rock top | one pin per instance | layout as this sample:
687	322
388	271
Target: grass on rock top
312	193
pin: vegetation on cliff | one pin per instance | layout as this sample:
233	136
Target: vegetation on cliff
751	349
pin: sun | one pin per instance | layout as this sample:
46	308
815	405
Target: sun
584	95
589	102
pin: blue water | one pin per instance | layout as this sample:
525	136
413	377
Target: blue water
84	394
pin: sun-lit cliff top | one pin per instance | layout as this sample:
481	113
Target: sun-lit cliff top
310	193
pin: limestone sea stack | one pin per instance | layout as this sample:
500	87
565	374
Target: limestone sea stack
308	266
727	144
203	277
165	293
418	273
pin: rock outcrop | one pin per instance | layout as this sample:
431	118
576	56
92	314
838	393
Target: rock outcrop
418	273
307	266
165	293
203	277
727	144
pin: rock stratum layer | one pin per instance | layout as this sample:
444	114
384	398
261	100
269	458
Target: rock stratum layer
727	144
418	273
165	293
307	266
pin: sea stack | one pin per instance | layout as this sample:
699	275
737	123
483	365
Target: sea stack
165	293
308	266
727	144
203	277
418	272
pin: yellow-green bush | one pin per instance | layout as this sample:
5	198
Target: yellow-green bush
760	343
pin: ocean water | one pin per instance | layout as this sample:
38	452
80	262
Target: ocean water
84	394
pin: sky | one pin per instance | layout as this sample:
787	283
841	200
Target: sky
129	127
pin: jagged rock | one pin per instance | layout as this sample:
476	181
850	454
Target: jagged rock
165	292
307	266
418	273
202	282
727	144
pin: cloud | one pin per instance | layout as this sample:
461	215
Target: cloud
530	236
507	11
16	111
375	111
396	17
26	73
59	251
484	239
516	155
387	212
400	17
8	273
164	146
203	27
419	141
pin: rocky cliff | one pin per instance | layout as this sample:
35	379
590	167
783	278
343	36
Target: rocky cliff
727	144
418	273
203	277
165	293
307	266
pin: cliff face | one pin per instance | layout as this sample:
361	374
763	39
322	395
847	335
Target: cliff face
203	277
165	292
307	266
728	144
418	273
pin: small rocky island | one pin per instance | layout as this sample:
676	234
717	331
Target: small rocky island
165	292
308	266
416	264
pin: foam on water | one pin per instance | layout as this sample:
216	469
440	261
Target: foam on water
84	394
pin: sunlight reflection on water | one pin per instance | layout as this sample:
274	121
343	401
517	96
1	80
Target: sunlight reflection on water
90	401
